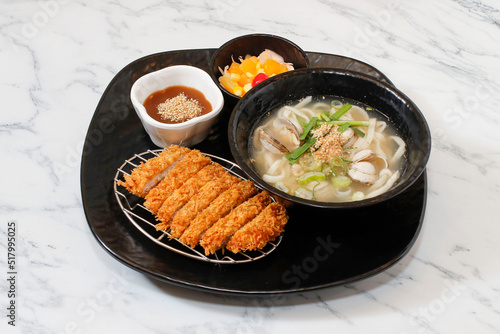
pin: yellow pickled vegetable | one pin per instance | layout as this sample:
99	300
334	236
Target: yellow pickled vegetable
227	83
235	77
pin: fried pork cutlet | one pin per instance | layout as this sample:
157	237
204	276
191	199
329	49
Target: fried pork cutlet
148	174
219	234
183	194
199	202
262	229
182	171
219	208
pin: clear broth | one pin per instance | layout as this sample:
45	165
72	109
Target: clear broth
275	169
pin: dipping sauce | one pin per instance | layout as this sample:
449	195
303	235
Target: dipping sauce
176	104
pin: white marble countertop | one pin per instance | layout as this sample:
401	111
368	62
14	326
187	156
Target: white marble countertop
57	57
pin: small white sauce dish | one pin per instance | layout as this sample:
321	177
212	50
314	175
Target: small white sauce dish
188	133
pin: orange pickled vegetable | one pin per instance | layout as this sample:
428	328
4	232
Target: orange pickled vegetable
254	59
271	67
249	65
244	79
235	68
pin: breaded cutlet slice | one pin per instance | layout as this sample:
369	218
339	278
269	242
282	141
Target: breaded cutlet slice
218	209
148	174
264	228
209	192
190	164
219	234
183	194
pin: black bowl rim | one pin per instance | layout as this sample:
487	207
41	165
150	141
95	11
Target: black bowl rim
399	188
219	49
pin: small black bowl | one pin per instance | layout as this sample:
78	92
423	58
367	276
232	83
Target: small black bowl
291	86
254	44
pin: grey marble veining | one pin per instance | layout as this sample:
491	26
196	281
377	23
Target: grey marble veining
58	58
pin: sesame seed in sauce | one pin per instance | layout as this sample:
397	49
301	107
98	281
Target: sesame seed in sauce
179	109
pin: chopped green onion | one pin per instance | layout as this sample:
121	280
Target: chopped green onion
359	132
340	162
303	193
325	116
341	181
351	123
309	163
311	176
308	128
358	196
281	186
344	127
341	111
369	108
297	153
336	104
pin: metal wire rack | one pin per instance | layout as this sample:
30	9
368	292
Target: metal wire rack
144	220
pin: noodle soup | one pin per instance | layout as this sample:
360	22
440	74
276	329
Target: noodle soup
328	149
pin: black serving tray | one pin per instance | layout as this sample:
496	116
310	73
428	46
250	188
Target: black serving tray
319	249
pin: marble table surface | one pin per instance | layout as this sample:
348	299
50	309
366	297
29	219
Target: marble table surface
57	58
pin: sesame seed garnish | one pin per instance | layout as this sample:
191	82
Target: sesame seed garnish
328	144
179	109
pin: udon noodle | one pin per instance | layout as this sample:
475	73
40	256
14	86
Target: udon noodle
328	150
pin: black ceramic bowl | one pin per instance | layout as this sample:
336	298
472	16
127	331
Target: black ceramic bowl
253	45
290	86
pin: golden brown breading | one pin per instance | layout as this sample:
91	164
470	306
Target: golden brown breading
199	202
262	229
219	208
183	194
204	204
183	171
219	234
148	174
